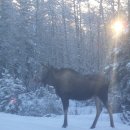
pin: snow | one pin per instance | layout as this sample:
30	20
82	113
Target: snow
116	51
113	66
76	122
107	67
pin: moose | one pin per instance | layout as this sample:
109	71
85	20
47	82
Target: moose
70	84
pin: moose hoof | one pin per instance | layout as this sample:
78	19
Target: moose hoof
113	126
92	127
64	126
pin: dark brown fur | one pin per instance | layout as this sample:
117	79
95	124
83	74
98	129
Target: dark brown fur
69	84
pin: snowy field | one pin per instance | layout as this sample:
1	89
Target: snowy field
76	122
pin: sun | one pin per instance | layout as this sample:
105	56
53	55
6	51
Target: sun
117	27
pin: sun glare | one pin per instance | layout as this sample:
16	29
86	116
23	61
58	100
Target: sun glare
118	27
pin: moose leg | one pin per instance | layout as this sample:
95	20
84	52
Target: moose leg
98	111
65	103
110	113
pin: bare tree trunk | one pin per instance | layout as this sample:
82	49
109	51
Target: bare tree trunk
37	10
102	41
77	33
90	44
64	21
76	20
129	19
65	49
113	6
119	6
80	23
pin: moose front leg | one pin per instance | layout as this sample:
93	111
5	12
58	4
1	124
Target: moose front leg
65	103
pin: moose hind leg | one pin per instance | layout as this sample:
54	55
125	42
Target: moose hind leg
98	111
107	105
65	103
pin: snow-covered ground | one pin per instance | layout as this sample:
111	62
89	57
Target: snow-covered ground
76	122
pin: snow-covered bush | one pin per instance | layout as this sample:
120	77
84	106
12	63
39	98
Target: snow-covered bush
121	87
39	103
10	88
125	116
15	99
